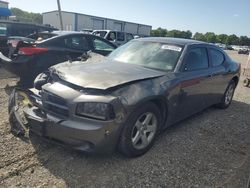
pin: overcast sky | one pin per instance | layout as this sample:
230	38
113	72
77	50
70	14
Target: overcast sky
219	16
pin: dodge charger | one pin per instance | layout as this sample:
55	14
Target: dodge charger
123	101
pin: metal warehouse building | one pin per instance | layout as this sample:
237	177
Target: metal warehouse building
77	22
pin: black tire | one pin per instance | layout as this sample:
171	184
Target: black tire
126	145
224	102
246	82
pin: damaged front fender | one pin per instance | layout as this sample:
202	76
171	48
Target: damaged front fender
19	100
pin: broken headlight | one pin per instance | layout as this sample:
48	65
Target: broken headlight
95	110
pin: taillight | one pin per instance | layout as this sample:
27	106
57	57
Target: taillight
31	50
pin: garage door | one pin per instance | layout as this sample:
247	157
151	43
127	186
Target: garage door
117	26
98	24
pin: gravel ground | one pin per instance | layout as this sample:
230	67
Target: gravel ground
210	149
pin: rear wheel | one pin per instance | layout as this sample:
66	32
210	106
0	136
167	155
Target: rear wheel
246	82
140	131
228	96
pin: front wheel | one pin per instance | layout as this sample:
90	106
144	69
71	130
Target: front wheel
140	130
228	96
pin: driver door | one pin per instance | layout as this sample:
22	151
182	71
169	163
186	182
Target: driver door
194	83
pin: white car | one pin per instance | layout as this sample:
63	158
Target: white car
116	37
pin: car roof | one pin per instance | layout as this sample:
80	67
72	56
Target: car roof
69	33
170	40
107	30
61	32
65	33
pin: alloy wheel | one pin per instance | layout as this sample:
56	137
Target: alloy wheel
229	94
144	130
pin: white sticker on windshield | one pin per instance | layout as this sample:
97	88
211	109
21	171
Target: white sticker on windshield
169	47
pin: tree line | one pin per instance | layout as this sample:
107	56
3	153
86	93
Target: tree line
27	16
210	37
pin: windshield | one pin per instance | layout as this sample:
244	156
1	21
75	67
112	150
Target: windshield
153	55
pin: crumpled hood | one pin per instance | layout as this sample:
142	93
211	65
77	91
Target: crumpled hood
105	74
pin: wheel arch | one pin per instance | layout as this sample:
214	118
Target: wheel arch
124	143
160	102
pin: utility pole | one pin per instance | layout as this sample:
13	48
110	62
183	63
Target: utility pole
60	14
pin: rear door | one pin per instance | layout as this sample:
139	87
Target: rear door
195	82
219	73
76	45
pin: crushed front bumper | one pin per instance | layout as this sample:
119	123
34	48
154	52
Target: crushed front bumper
27	115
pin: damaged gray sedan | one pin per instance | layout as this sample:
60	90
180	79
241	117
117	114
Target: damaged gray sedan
123	101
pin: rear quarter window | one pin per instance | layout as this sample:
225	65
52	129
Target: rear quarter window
217	57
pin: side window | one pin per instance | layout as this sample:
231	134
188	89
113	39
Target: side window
129	36
120	36
101	45
196	59
111	36
77	43
217	57
57	42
